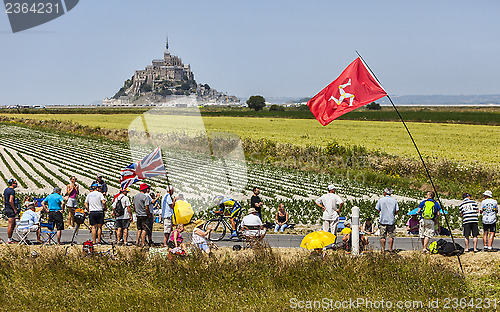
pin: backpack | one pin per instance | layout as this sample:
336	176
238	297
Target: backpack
429	209
446	248
88	247
79	216
119	210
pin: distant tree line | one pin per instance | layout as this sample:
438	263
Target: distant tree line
374	106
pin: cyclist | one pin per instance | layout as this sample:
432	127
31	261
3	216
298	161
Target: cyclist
235	207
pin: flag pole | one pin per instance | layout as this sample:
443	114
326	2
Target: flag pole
149	138
421	158
166	174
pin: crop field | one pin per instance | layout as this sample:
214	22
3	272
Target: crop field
460	142
43	159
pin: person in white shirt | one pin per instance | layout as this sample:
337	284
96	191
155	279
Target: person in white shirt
95	203
331	204
251	224
34	222
489	210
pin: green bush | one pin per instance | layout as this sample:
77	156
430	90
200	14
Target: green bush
275	107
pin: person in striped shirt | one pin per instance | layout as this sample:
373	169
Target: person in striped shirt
469	213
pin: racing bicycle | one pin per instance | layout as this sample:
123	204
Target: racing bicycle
220	226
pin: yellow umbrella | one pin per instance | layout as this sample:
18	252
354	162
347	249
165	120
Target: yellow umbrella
183	212
318	239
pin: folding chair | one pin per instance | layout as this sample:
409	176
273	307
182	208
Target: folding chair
38	201
47	235
22	231
39	209
341	225
252	236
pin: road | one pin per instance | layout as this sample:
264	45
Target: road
274	240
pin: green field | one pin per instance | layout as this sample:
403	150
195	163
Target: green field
460	142
469	115
478	115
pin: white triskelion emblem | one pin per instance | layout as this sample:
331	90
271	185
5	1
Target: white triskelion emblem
343	94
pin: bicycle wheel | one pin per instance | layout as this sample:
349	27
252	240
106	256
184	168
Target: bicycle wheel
218	229
108	231
239	231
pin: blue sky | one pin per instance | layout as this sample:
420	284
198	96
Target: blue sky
273	48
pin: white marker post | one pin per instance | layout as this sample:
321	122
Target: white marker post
355	230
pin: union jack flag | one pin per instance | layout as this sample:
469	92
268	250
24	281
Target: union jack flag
150	166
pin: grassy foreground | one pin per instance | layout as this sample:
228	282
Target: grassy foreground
458	142
250	280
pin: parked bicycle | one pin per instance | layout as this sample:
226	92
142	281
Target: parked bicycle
108	232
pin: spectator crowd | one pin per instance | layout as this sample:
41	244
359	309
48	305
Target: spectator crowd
146	205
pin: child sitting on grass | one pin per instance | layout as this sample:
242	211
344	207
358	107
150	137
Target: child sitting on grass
200	236
176	239
347	239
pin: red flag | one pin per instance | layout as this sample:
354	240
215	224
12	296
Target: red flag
354	88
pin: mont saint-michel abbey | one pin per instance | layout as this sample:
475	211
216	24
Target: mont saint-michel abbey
170	68
167	80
